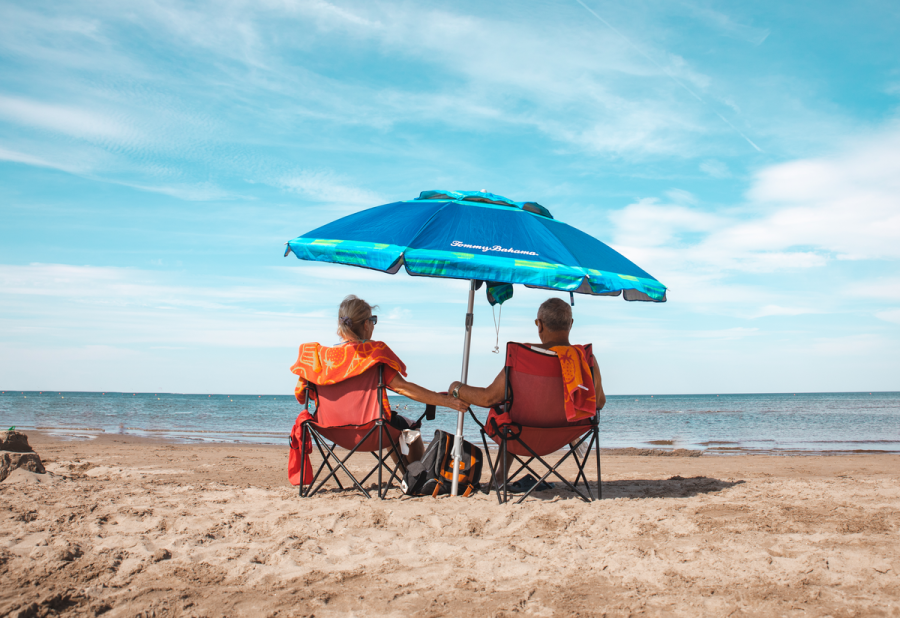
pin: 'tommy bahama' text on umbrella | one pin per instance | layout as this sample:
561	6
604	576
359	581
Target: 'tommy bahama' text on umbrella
482	248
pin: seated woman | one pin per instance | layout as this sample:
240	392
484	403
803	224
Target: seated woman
356	324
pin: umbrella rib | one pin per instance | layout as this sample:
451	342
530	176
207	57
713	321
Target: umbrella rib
424	225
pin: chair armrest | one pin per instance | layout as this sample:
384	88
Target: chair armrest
428	416
475	418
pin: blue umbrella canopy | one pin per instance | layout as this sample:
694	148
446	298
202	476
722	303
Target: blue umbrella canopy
478	236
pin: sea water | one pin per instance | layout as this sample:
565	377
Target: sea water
774	423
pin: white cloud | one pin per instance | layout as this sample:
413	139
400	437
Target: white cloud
727	334
326	186
879	288
27	159
773	310
852	345
844	204
716	169
399	313
651	224
800	215
728	25
66	119
128	287
892	315
197	192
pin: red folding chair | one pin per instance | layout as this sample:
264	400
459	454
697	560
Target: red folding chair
536	425
353	414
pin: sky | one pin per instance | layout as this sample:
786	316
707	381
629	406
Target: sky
155	156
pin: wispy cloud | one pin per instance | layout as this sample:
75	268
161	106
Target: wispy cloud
65	119
892	315
27	159
728	25
716	169
326	186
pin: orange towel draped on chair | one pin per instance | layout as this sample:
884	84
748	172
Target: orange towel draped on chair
321	364
330	365
581	398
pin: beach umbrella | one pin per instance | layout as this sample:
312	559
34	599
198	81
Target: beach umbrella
480	237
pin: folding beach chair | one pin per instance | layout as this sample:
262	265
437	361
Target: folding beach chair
354	415
536	425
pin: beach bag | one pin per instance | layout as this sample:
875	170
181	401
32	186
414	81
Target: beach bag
433	474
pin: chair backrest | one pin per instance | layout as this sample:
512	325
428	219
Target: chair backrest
354	401
534	377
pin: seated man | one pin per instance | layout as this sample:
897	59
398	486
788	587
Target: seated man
554	321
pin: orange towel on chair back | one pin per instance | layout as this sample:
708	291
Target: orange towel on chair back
581	398
321	364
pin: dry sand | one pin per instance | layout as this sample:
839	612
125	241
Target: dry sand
130	527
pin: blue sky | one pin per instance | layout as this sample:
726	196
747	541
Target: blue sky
154	158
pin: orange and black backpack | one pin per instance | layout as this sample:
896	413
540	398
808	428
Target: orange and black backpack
433	475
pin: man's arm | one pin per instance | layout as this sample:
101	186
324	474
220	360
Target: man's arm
484	397
598	386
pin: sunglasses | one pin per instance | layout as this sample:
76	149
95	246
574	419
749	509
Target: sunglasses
373	319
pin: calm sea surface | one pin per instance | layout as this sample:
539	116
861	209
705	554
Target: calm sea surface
808	422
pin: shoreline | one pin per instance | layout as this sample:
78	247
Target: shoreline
11	391
66	434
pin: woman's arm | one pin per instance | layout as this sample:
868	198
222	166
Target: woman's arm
418	393
484	397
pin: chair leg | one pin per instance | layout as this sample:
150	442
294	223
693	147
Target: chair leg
336	477
325	460
494	469
582	475
599	480
317	441
395	448
503	463
380	457
523	465
302	457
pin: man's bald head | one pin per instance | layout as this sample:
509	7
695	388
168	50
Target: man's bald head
556	314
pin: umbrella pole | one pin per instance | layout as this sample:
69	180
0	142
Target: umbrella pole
457	444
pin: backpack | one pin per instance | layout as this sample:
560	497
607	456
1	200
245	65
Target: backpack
433	474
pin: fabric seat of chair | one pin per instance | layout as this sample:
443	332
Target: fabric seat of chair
349	436
544	440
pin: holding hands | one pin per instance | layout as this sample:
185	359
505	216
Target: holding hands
453	402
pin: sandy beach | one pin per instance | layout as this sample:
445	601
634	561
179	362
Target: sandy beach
125	526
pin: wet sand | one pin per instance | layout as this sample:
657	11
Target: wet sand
137	527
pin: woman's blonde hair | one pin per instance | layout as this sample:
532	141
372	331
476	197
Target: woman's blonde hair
352	315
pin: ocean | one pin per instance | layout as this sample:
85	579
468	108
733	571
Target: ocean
782	423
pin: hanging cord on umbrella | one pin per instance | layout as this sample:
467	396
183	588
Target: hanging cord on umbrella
496	317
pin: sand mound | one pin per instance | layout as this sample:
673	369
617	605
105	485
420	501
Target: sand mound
25	476
14	442
13	462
